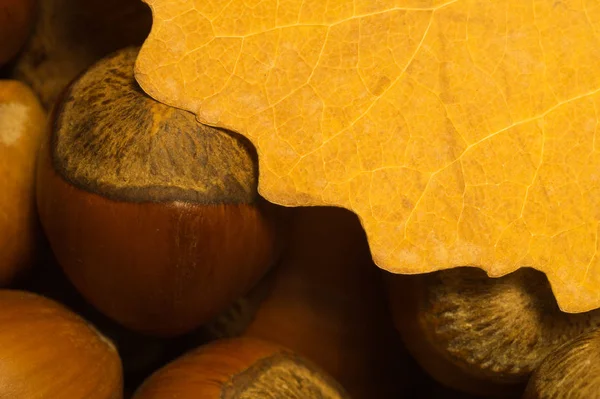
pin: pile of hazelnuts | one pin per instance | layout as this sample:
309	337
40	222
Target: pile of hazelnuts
138	260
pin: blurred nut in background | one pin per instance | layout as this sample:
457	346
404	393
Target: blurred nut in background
237	369
326	302
571	371
16	18
70	35
22	124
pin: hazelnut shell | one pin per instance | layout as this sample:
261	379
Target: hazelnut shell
22	124
49	352
153	217
240	368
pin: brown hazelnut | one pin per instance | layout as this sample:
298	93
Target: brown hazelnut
70	35
479	334
571	371
16	18
48	352
326	302
154	217
22	124
240	368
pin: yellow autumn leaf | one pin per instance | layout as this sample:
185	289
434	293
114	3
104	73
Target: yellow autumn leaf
461	132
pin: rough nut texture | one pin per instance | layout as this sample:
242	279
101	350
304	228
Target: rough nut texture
462	132
113	139
281	376
498	327
572	371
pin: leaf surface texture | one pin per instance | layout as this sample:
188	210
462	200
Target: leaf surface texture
462	132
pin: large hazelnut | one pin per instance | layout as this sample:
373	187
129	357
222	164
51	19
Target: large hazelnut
154	217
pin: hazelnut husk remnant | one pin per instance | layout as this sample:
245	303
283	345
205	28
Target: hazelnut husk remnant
154	217
48	352
571	371
240	368
22	124
478	334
